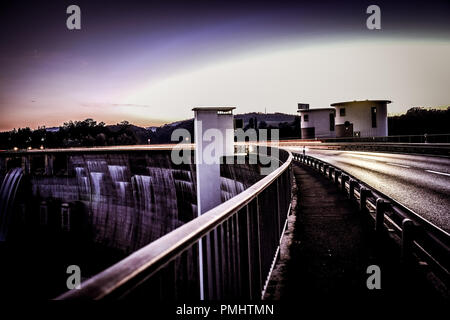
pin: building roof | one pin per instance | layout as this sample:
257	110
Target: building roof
316	109
358	101
213	108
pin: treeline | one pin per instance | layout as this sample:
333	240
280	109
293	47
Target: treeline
87	133
418	121
286	129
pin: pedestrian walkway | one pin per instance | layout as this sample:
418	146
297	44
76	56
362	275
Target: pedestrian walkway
330	248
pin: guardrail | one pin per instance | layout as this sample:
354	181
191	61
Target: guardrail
415	138
405	138
417	148
419	240
240	244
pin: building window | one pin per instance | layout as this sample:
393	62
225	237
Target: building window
331	121
306	118
342	112
373	111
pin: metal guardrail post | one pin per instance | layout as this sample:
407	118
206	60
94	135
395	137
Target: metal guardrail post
325	167
330	172
337	173
379	217
407	239
344	178
351	191
364	193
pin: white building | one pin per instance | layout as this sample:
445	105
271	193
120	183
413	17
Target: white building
316	123
361	118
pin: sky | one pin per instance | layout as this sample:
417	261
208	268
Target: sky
151	62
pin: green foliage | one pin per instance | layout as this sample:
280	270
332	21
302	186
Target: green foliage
87	133
418	121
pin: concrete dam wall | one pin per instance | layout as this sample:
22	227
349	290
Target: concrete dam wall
94	208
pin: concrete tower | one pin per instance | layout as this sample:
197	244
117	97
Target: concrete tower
214	138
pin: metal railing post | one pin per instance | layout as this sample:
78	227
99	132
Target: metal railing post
337	173
218	275
351	192
208	269
330	172
344	178
363	193
249	254
407	239
381	207
279	227
238	254
258	238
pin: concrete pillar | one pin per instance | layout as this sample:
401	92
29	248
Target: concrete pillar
214	138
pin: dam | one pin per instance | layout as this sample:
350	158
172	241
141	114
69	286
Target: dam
92	208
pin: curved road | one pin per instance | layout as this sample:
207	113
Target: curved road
421	183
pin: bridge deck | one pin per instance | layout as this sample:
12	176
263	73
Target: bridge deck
331	247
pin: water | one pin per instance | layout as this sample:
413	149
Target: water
125	200
116	203
8	192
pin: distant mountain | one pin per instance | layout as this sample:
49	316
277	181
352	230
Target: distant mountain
141	134
283	121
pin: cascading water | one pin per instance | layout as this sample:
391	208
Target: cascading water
230	188
8	192
126	200
115	202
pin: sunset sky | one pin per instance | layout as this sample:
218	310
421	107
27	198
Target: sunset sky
151	62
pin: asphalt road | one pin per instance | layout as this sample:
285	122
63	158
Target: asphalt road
421	183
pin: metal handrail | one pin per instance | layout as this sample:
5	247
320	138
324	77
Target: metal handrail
392	138
418	237
142	264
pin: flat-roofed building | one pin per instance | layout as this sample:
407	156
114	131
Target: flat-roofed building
317	122
366	118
